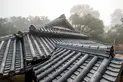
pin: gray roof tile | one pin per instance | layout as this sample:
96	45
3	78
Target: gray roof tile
11	57
38	47
75	66
72	56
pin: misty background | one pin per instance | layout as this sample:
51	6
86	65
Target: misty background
101	20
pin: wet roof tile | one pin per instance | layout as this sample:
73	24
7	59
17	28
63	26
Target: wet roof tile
70	65
11	57
72	56
38	47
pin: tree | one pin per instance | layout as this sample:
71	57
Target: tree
20	23
87	22
6	27
116	32
116	17
13	24
38	20
84	9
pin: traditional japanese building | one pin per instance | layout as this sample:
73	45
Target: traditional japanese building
57	53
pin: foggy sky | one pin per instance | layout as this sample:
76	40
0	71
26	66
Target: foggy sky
54	8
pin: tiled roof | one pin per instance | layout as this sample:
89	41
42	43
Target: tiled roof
112	71
83	42
53	32
60	21
37	47
58	55
75	66
101	50
11	57
6	37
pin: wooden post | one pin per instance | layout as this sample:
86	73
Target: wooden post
28	76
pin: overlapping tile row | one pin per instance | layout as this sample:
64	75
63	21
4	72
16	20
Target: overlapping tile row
11	57
113	71
62	32
72	66
83	41
101	50
38	47
57	32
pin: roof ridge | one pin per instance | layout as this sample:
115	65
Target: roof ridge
56	32
107	50
61	18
